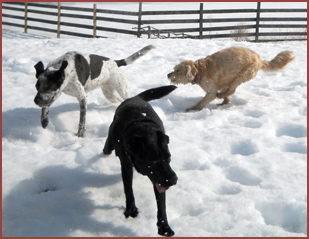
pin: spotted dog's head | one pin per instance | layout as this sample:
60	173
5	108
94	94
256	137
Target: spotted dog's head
49	83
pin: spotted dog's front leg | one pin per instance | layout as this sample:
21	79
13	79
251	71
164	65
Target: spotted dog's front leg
44	116
82	118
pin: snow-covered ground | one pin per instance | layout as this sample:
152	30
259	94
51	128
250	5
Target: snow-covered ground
242	167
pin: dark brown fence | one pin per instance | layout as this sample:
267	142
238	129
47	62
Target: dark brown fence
197	24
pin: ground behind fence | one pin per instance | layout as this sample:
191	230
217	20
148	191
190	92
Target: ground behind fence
257	24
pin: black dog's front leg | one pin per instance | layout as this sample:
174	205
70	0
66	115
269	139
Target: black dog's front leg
108	146
82	118
44	116
127	178
163	227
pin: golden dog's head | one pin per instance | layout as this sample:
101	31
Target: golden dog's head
183	73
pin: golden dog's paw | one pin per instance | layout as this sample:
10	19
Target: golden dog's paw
193	108
220	95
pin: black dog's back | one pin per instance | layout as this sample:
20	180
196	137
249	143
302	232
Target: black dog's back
135	109
130	109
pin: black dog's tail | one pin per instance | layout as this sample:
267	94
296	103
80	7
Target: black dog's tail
156	93
135	56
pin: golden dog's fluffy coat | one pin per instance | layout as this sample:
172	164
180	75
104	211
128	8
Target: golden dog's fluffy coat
221	73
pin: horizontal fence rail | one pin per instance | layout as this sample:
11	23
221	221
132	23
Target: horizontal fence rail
258	25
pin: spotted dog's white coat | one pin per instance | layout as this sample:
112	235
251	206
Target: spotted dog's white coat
110	79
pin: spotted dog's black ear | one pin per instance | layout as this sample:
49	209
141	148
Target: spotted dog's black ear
63	65
59	75
39	67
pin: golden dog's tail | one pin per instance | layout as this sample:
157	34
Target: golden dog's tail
279	62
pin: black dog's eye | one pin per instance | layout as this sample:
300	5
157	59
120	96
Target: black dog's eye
168	160
155	162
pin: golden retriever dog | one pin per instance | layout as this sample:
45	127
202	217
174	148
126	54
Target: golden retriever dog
221	73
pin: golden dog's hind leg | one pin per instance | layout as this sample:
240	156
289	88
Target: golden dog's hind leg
246	74
225	101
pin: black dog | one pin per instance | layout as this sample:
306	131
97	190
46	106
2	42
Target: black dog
137	135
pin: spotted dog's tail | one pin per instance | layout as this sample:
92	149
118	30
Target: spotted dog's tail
135	56
156	93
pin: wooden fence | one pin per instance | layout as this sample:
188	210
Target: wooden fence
93	22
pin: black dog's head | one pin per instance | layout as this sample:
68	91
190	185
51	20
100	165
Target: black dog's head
49	83
149	153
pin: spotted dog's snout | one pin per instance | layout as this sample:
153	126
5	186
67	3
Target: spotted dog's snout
37	100
43	100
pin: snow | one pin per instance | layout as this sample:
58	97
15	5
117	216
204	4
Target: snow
242	167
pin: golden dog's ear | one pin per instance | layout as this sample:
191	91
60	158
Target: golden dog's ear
189	73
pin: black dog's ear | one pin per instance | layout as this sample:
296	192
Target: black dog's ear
39	67
163	137
138	146
163	141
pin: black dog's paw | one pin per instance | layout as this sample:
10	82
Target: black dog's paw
44	122
165	230
131	212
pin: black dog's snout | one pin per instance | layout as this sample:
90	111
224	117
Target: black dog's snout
173	180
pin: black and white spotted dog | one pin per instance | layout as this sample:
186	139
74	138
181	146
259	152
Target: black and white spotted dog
76	74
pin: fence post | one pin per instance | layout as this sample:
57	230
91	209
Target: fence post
94	20
258	10
201	20
59	18
26	17
149	32
139	23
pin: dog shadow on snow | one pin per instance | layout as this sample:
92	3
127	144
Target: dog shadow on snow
53	203
20	123
25	123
